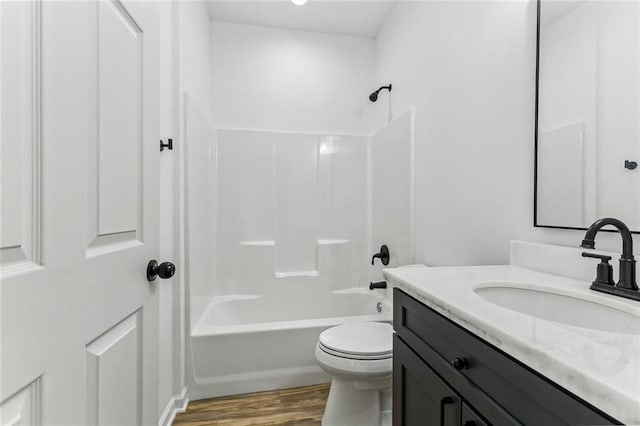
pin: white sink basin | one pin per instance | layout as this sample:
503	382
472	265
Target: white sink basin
555	305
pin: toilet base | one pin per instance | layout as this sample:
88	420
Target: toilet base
350	403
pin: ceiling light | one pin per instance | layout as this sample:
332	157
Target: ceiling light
298	2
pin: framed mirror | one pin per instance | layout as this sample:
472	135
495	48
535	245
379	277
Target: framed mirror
587	162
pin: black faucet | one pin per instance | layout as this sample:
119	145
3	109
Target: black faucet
379	284
626	286
383	255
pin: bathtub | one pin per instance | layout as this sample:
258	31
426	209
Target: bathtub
251	343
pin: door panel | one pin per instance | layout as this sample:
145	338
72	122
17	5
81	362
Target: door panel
115	156
81	328
114	375
119	107
20	138
23	408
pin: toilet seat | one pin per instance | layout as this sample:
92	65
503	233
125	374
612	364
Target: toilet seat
354	368
354	356
358	341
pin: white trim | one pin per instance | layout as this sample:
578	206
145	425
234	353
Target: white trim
177	404
412	181
179	341
36	135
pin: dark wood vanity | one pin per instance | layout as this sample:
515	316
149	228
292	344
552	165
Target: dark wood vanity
445	375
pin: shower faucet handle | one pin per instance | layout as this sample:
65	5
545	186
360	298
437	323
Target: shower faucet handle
383	255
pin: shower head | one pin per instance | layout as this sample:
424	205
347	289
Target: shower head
374	96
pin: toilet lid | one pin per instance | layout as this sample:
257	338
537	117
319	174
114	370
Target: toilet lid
360	338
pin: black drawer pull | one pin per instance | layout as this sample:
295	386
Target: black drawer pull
469	423
460	363
444	401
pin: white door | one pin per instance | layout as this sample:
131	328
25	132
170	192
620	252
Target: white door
79	204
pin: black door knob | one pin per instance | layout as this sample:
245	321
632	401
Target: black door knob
164	270
460	363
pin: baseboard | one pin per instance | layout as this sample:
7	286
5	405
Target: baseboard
177	404
259	381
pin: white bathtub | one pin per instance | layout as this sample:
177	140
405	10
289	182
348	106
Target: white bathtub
248	343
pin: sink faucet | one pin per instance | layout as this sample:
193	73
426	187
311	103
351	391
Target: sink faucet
626	286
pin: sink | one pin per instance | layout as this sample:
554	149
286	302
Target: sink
561	306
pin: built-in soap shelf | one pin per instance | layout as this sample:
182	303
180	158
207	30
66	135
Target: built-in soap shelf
272	243
258	243
331	242
297	274
261	254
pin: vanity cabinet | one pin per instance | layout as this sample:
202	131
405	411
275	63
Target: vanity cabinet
445	375
427	399
470	417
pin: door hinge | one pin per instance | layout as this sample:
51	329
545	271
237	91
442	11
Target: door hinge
168	145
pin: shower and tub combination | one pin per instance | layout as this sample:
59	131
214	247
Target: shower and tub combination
281	227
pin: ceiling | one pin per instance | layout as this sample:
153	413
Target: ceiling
356	18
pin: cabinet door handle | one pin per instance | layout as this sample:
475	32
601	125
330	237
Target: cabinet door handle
469	423
460	363
444	401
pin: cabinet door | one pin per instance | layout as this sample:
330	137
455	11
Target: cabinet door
470	417
420	396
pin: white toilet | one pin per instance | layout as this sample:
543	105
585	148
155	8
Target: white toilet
359	357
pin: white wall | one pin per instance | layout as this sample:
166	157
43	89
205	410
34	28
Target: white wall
292	210
283	80
469	70
200	193
195	53
391	192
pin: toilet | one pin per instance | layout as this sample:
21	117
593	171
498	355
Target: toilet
359	358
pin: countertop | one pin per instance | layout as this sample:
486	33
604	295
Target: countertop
601	367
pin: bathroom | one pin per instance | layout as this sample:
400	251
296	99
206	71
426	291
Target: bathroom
319	212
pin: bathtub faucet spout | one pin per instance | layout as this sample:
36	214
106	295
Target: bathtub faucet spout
379	284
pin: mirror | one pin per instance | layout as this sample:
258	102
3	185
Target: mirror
587	113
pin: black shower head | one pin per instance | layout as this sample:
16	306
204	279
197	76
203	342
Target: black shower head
374	96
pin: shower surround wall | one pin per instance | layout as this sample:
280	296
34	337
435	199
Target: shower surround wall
279	242
280	205
291	207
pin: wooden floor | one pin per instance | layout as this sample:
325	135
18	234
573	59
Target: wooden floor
295	406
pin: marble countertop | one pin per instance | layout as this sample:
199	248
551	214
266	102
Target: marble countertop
601	367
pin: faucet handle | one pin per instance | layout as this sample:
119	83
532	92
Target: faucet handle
383	255
604	272
602	257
